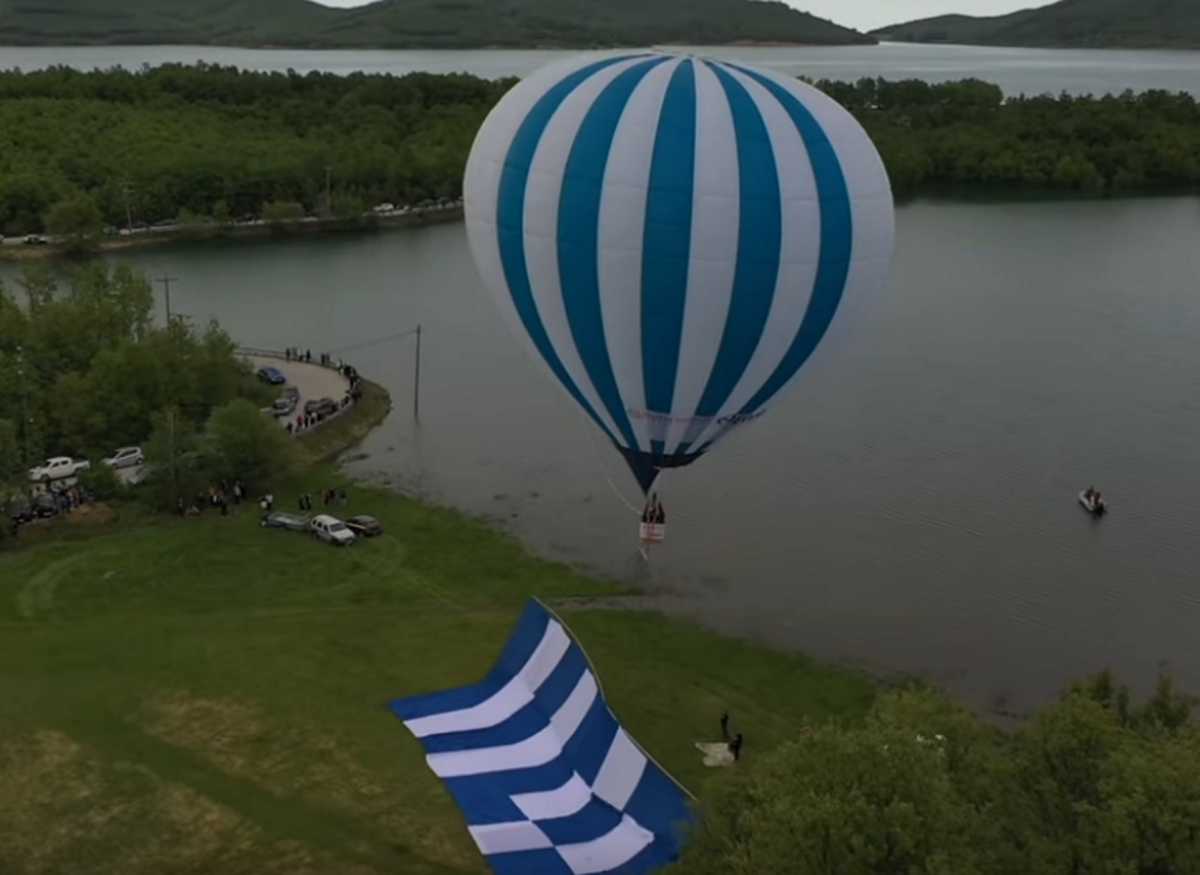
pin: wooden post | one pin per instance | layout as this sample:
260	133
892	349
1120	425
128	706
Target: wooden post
417	381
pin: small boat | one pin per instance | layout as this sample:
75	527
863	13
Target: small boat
1091	505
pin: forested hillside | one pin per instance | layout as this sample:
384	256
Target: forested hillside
412	23
1068	24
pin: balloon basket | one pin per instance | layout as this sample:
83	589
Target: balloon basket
652	533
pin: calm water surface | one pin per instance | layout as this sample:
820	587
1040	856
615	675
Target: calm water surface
909	507
1030	71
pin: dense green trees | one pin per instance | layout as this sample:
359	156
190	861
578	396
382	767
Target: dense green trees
966	134
1090	784
204	142
83	369
212	141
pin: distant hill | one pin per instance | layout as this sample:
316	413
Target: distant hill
1067	24
414	23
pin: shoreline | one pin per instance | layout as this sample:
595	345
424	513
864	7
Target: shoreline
23	252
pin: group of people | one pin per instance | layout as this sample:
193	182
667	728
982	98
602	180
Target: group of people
293	354
219	497
653	512
328	497
1093	496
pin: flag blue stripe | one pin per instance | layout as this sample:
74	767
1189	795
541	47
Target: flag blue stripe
759	236
546	861
837	241
591	822
579	237
510	222
667	240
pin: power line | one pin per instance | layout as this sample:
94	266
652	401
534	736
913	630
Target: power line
376	342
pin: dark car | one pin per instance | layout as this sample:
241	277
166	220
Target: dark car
274	376
19	511
291	522
45	506
324	406
364	526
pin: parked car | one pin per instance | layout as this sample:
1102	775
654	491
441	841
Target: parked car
45	506
126	457
331	530
19	511
36	239
324	406
58	468
364	526
271	375
291	522
284	405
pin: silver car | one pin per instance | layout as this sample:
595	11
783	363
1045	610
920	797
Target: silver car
126	457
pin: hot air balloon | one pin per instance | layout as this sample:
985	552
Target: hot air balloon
674	236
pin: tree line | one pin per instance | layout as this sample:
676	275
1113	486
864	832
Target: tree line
216	142
967	135
81	150
1091	784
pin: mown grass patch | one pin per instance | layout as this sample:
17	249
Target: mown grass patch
207	695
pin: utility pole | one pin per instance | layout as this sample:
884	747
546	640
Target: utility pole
174	464
25	460
417	381
166	281
128	211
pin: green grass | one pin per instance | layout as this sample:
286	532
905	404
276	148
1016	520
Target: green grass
205	695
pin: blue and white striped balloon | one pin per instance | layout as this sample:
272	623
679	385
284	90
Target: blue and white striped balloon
674	236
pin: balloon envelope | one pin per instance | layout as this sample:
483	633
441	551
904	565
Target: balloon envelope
674	236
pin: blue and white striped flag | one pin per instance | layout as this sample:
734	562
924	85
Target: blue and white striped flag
549	782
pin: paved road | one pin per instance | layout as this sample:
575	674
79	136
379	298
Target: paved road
312	380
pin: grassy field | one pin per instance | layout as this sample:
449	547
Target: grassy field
205	695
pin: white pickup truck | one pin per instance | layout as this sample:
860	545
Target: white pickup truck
58	468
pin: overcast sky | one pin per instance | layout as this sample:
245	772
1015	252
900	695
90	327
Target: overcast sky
868	14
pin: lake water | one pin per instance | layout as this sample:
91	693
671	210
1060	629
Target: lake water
1029	71
909	507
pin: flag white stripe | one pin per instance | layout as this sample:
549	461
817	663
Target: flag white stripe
509	699
621	772
537	750
563	801
508	838
611	851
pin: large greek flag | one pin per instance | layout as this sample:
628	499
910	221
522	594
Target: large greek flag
549	782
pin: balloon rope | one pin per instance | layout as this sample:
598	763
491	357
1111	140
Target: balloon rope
604	469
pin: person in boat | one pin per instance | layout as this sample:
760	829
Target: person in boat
660	515
1089	494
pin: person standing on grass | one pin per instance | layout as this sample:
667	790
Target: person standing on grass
735	747
725	726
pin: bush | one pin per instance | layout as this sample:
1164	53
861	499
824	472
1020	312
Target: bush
102	482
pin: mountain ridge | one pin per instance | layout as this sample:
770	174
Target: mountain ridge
415	23
1142	24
